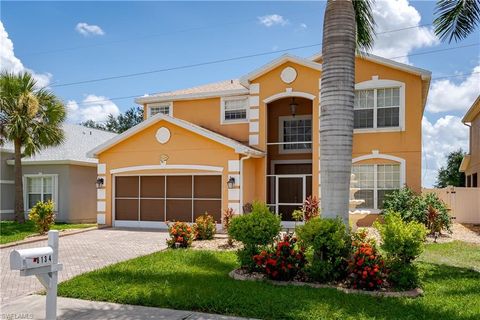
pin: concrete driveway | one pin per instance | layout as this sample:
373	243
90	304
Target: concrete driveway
80	253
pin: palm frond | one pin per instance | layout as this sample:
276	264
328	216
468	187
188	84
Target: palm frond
365	24
456	19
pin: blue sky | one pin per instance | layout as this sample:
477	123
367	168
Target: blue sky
128	37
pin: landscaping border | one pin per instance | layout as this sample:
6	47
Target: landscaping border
414	293
45	237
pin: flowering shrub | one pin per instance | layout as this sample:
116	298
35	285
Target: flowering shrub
181	235
227	219
204	227
365	267
43	216
311	208
284	261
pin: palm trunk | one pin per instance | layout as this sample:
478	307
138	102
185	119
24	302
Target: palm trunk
19	208
336	114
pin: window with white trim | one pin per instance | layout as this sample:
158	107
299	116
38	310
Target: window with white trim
164	108
377	108
375	181
234	109
295	129
40	188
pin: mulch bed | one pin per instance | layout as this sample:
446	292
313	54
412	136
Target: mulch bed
243	275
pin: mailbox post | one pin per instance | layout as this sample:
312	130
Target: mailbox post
42	263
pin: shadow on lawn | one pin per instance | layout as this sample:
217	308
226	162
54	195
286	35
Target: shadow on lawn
214	292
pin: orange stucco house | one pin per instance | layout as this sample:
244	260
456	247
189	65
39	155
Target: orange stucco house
226	144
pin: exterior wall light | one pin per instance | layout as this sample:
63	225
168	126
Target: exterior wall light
293	107
231	183
99	183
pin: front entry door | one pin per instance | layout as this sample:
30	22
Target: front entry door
291	191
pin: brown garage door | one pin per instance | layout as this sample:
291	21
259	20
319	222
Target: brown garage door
167	198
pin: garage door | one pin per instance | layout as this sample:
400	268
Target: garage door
166	198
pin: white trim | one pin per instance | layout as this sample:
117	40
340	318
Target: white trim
222	110
254	113
100	218
89	163
167	167
101	168
281	119
191	96
6	211
237	146
245	80
235	206
160	104
253	139
101	206
254	101
253	127
40	175
233	165
7	181
254	88
101	194
282	95
233	194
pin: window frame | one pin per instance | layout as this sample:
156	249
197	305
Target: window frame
42	176
234	121
281	147
160	104
374	85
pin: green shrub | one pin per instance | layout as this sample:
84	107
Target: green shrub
329	244
427	209
254	230
402	243
43	216
204	227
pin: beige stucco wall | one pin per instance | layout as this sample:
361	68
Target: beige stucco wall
474	165
82	194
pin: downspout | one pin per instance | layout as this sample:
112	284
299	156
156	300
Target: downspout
248	156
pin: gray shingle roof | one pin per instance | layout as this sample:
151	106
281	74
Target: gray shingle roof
78	140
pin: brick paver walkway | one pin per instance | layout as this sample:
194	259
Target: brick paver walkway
81	253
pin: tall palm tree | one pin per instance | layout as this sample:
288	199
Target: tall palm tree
348	25
456	19
31	118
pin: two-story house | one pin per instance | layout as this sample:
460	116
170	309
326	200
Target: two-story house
226	144
471	161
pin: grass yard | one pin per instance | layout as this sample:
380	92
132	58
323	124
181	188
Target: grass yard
198	280
11	231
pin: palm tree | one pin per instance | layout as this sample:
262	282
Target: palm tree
31	118
456	19
347	25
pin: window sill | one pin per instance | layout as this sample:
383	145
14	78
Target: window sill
359	211
234	122
379	130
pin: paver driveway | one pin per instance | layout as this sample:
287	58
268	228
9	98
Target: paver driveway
81	253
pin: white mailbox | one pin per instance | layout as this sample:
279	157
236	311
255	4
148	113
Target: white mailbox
31	258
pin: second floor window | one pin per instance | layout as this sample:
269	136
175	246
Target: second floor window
377	108
296	129
164	108
234	109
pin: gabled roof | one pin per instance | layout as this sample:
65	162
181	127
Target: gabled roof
222	88
245	80
237	146
78	140
472	112
425	74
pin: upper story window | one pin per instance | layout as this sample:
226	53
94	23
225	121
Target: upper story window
377	108
234	109
294	129
156	108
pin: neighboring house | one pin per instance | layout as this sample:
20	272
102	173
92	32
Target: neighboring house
471	161
226	144
63	173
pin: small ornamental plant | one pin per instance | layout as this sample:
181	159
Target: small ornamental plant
283	261
43	216
227	220
204	227
366	268
311	208
181	235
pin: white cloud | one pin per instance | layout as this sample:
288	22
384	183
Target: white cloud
9	62
96	108
86	29
303	25
398	14
447	134
272	20
445	95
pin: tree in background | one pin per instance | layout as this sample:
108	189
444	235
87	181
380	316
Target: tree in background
450	176
31	119
120	123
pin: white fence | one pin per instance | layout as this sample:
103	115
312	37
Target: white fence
464	203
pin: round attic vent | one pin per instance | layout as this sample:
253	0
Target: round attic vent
163	135
288	75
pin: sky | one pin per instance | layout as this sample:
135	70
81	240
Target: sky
64	43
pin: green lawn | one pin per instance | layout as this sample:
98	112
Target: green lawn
198	280
11	231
